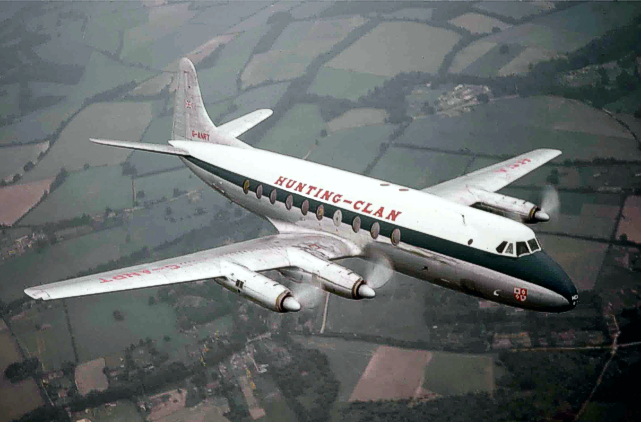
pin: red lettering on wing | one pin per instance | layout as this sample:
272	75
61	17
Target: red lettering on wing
379	212
310	189
358	205
280	180
337	198
366	210
290	184
300	186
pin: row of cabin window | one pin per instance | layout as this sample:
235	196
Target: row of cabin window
320	213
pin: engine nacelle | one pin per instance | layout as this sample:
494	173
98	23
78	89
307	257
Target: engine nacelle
332	277
258	288
507	206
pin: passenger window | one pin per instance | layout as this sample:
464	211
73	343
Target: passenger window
510	249
246	186
356	224
338	217
521	248
501	247
534	245
396	237
375	230
320	212
305	207
289	201
272	196
259	191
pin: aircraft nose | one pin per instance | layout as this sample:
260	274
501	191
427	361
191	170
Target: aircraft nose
557	280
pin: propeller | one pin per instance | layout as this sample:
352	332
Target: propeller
309	295
550	203
380	271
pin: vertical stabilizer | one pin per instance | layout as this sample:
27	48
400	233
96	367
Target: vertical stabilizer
191	121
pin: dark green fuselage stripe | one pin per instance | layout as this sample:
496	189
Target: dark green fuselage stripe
536	268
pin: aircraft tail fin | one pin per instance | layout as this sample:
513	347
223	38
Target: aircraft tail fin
191	121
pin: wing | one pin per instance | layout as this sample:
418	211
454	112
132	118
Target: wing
242	124
492	178
260	254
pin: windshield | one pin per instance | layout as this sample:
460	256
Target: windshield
521	248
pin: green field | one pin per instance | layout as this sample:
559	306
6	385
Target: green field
124	411
72	150
592	19
84	192
219	82
296	47
418	169
13	159
161	21
453	374
296	132
493	60
98	334
399	47
52	343
347	84
9	100
39	124
517	125
106	24
102	74
254	99
163	184
511	9
412	13
309	9
351	149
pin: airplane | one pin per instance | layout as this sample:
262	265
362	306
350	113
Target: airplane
459	234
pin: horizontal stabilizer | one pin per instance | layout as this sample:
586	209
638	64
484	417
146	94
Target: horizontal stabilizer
242	124
161	149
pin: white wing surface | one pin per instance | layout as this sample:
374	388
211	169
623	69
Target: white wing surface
266	253
492	178
161	149
242	124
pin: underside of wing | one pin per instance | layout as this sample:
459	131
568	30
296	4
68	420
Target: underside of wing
266	253
242	124
466	189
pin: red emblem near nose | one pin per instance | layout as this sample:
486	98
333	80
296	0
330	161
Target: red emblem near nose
520	294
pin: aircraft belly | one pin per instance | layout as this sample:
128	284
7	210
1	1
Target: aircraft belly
470	278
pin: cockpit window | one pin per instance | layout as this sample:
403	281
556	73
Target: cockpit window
500	248
510	249
534	245
521	248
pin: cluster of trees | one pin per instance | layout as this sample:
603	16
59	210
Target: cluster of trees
308	375
19	371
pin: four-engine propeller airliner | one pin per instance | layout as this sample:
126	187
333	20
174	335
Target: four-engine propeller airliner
454	234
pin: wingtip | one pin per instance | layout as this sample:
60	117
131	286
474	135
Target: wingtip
35	293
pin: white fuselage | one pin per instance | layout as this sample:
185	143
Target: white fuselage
440	241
